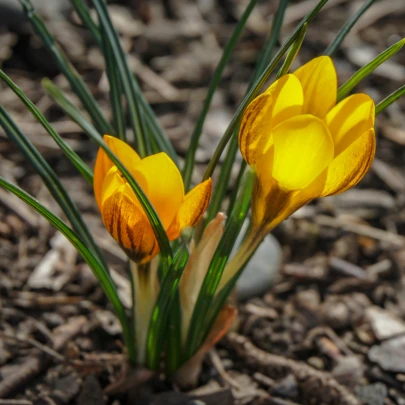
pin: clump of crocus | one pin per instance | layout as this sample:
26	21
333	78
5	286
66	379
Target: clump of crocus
302	145
161	181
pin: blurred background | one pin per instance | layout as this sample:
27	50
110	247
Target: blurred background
339	300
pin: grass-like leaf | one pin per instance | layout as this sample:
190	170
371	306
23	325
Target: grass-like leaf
66	149
333	47
267	52
116	91
195	137
84	14
153	130
106	282
111	38
51	181
168	289
292	53
367	69
67	69
198	331
256	88
382	105
71	110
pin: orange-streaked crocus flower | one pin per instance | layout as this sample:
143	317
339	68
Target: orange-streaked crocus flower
302	145
162	183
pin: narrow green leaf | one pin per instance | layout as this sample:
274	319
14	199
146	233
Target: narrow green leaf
168	289
116	91
195	137
219	191
256	88
111	37
267	52
71	110
154	131
67	150
333	47
292	53
197	333
367	69
67	69
236	186
382	105
106	282
114	79
174	349
51	181
84	14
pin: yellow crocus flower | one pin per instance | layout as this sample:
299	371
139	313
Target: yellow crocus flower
161	181
301	144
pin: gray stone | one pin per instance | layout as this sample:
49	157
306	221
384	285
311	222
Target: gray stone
260	272
372	394
390	355
384	324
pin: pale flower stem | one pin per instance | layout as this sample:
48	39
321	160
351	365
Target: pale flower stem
247	248
146	287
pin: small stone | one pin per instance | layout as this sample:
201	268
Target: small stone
390	355
372	394
384	324
349	371
287	388
261	270
336	314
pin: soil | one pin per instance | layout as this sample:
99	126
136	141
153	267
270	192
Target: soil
332	328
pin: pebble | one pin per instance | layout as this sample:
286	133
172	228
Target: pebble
260	272
372	394
390	355
385	325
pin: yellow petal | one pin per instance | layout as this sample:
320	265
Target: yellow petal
129	226
350	119
346	170
125	154
113	181
161	181
319	82
303	148
281	101
192	209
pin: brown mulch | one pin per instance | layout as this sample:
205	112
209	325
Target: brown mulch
332	328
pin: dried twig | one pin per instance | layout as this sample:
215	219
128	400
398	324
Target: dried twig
317	385
35	364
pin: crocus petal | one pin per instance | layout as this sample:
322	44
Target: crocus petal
113	181
281	101
319	82
303	148
350	119
347	169
192	209
161	180
128	225
125	154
